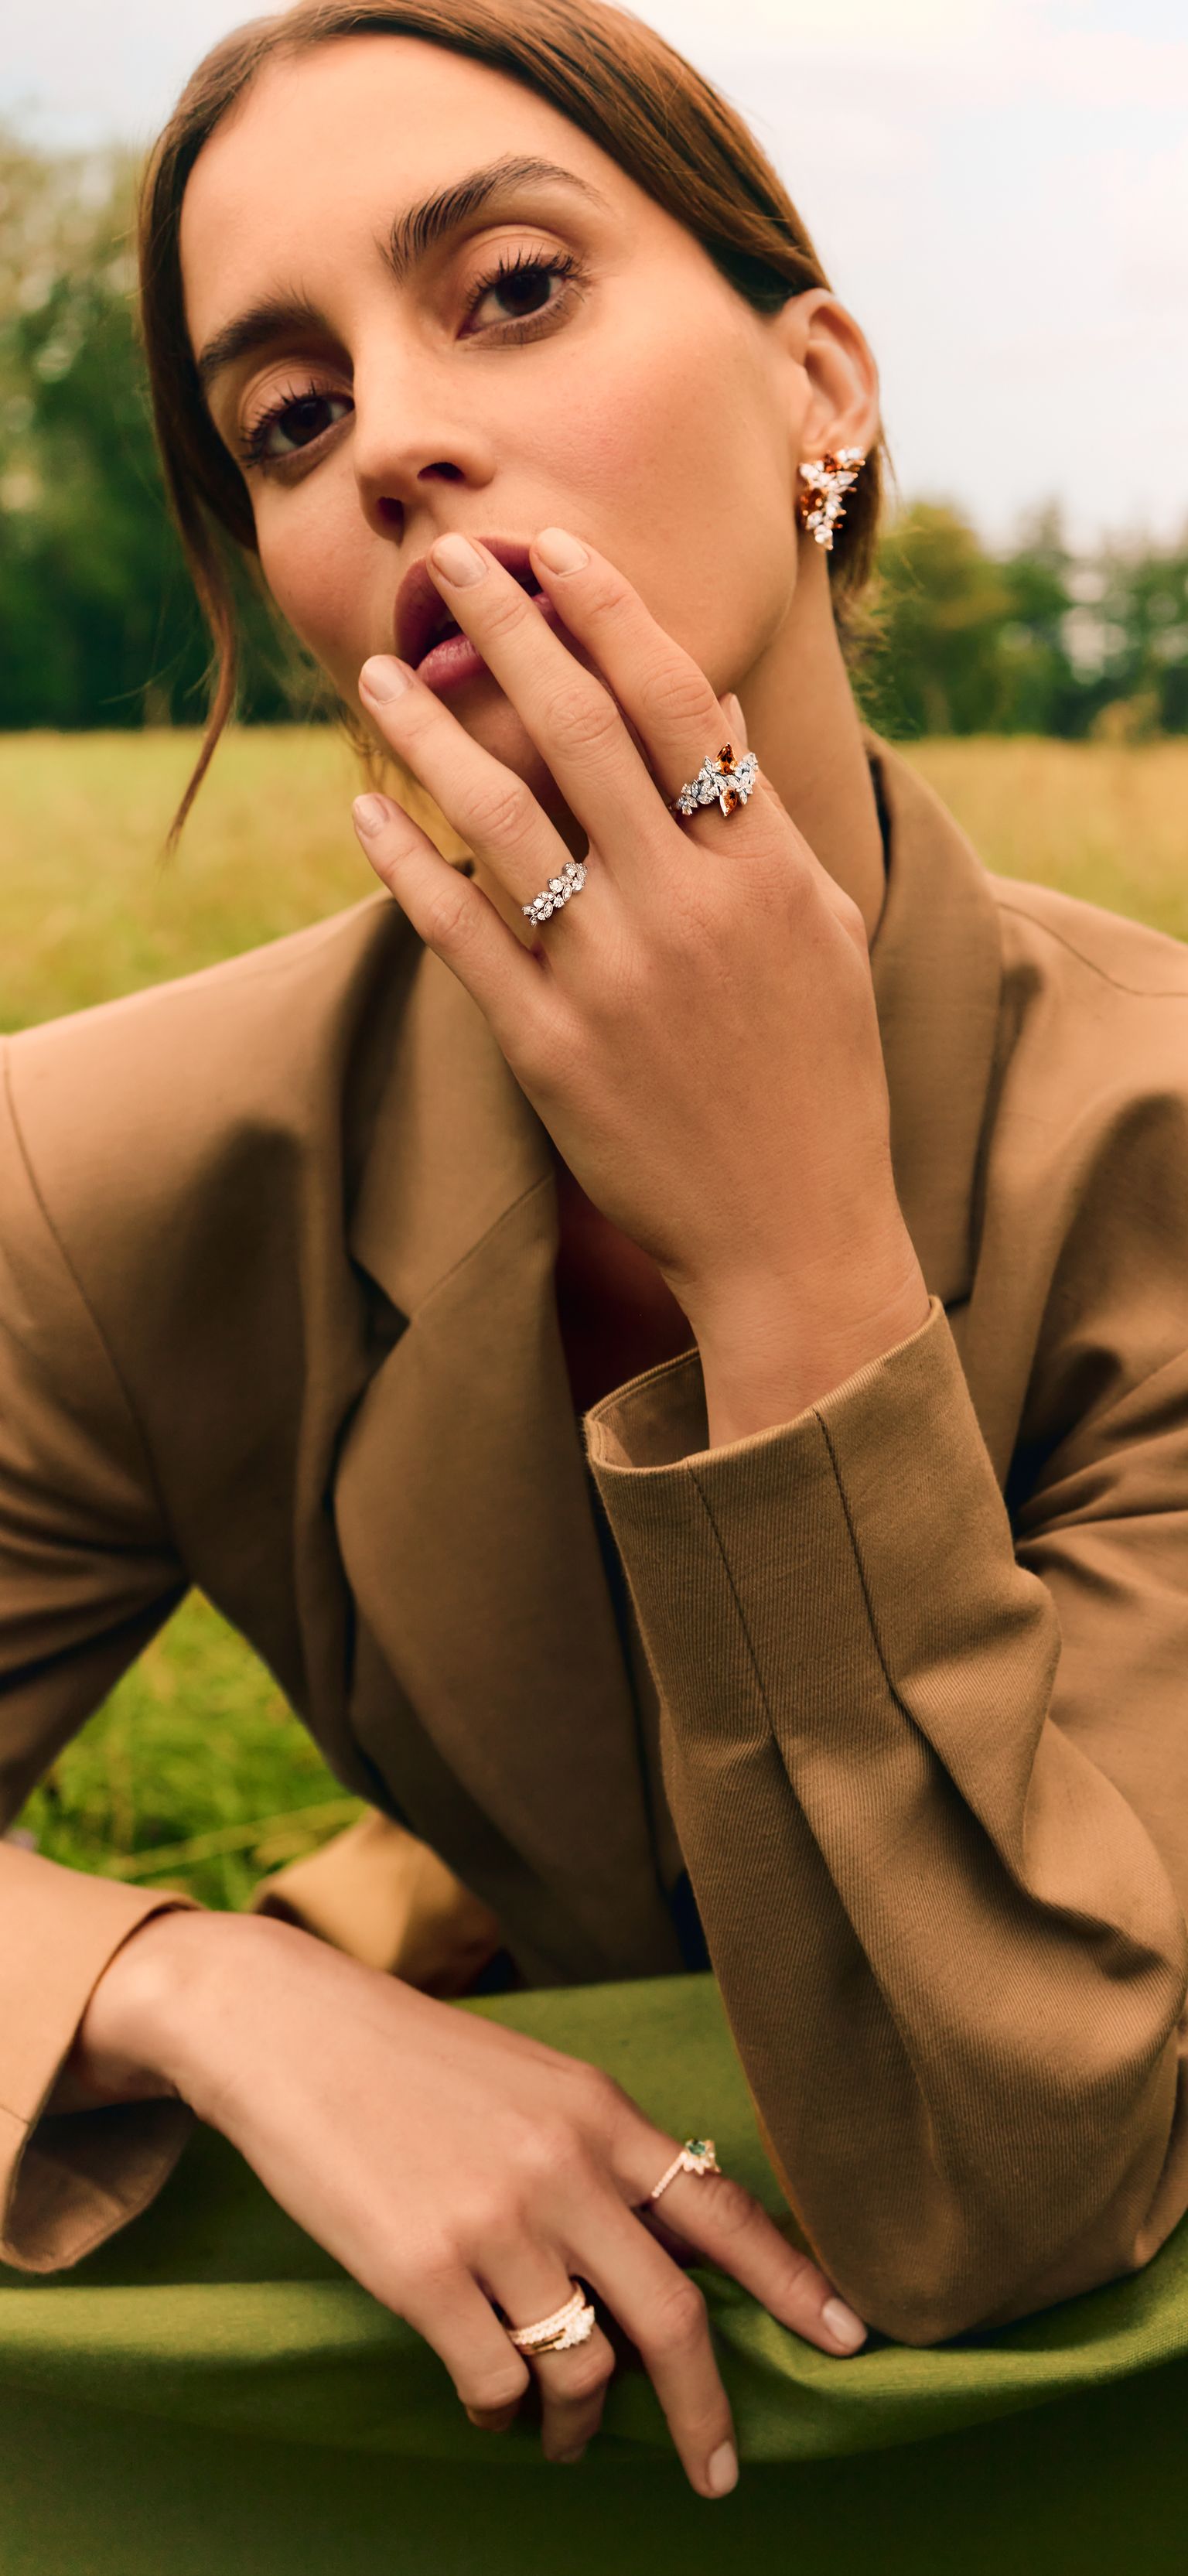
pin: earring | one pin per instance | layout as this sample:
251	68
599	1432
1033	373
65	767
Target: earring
827	478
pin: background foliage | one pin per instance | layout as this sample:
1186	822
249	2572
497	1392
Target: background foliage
100	628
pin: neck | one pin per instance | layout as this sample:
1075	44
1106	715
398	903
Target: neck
804	729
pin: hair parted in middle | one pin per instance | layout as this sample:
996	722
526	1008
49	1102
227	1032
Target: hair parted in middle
612	76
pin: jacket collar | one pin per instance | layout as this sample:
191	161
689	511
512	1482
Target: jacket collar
936	967
455	1143
462	1502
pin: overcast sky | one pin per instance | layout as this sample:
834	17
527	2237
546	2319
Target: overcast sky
999	189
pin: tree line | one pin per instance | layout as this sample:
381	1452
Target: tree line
100	628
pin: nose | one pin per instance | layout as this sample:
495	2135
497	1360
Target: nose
411	428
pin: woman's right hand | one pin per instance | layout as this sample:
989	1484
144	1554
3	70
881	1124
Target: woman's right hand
448	2163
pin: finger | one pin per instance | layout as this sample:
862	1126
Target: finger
490	805
453	916
673	710
488	2373
563	703
664	2313
711	2215
572	2383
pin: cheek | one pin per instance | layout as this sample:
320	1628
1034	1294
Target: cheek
683	465
312	556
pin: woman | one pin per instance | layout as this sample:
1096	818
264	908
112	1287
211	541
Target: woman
837	1184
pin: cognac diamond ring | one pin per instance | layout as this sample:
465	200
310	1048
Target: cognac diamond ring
572	2324
723	781
695	2157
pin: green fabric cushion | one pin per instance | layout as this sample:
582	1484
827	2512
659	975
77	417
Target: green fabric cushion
214	2311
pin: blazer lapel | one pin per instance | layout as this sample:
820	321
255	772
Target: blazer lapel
465	1521
936	965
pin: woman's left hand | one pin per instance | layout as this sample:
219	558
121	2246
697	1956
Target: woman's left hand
696	1028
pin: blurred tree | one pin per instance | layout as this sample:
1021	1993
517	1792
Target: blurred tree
99	626
95	603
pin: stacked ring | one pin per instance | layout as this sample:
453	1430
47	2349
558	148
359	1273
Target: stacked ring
572	2324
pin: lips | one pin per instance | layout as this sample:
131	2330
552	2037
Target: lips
422	617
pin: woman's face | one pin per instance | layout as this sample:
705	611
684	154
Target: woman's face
614	384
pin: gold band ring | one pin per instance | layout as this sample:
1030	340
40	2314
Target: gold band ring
695	2157
570	2325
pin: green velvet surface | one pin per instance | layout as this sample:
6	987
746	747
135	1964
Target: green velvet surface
212	2314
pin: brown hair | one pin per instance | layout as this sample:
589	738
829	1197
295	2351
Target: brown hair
612	76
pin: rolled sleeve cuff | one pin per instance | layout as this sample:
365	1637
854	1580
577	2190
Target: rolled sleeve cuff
68	2180
871	1525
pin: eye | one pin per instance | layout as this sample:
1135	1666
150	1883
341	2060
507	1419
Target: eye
522	282
292	422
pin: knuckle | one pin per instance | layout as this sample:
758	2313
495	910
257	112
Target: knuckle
586	2375
582	719
679	2322
736	2212
500	809
450	918
489	2391
676	693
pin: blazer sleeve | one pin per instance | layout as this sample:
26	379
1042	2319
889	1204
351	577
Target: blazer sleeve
952	1956
86	1577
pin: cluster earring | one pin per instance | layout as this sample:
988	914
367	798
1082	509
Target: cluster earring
827	478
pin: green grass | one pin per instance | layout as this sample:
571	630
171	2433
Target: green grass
195	1774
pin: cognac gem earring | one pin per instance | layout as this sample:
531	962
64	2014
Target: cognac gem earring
827	478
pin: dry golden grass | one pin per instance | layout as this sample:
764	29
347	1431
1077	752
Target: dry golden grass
195	1773
88	908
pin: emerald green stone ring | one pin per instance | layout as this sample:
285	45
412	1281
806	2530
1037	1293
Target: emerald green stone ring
695	2157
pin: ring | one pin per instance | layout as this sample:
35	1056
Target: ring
557	891
695	2157
574	2323
725	781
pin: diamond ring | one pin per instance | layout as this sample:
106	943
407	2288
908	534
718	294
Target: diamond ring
557	892
695	2157
570	2325
725	781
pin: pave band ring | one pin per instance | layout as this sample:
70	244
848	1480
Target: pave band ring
557	892
725	781
574	2323
695	2157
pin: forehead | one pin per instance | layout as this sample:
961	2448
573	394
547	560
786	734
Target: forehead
325	148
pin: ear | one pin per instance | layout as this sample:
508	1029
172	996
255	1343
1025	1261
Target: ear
839	378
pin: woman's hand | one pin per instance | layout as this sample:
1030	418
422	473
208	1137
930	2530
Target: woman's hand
449	2163
697	1027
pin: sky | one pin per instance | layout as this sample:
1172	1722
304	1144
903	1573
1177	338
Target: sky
998	189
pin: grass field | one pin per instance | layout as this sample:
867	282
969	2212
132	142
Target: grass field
195	1774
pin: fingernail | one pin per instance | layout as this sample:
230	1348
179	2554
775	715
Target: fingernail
370	813
383	676
569	2459
843	2324
558	551
457	560
721	2469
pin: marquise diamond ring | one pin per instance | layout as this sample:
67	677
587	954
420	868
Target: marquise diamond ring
557	892
723	781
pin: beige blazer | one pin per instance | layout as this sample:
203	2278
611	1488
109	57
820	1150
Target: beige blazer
276	1318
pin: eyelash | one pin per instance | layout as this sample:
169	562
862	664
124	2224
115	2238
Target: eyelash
252	443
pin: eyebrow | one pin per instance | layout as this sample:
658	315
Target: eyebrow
412	236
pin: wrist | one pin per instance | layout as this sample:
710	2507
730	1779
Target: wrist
768	1353
138	2034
